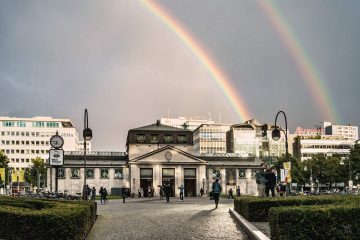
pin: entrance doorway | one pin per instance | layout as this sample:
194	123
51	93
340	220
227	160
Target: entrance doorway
190	187
168	177
190	182
146	180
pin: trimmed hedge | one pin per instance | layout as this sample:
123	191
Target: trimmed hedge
316	222
256	209
23	218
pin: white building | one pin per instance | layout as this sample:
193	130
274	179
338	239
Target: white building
347	131
103	169
190	123
23	139
247	140
327	145
210	138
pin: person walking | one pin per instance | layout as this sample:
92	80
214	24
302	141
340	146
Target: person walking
181	188
261	180
201	192
93	193
149	191
230	194
161	192
101	191
105	195
216	188
167	190
238	191
270	182
123	193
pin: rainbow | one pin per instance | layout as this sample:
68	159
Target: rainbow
307	69
226	86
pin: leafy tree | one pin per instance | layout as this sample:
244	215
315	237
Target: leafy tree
4	161
354	160
38	167
297	175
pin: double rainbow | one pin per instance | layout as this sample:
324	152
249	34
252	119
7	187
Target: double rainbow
308	71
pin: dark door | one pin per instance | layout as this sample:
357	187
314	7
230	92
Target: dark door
190	187
170	181
144	184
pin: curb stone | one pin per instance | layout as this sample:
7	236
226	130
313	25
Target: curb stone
251	230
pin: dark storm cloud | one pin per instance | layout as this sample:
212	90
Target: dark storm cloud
128	68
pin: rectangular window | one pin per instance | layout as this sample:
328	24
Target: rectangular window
118	173
242	173
190	173
168	172
8	124
146	173
75	173
61	173
182	138
104	173
90	173
38	124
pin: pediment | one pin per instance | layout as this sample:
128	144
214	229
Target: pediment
168	155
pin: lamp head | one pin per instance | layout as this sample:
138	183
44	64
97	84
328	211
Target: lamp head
275	134
87	134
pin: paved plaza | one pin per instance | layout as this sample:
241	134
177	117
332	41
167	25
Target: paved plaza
140	218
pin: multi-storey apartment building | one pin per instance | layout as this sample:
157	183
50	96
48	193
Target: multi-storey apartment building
210	138
23	139
190	123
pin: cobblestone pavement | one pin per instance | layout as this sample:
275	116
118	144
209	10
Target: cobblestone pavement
194	218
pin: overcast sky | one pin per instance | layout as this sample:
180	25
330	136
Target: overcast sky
122	63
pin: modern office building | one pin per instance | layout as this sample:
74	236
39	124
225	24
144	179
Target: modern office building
210	138
347	131
305	148
190	123
308	132
248	140
23	139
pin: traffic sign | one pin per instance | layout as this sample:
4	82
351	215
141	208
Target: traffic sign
56	157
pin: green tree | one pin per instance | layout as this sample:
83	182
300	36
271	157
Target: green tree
4	161
37	171
297	174
354	160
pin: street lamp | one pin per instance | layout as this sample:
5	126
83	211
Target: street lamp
87	135
350	181
311	179
275	135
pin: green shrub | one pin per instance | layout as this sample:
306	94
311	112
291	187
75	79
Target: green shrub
22	218
256	209
315	222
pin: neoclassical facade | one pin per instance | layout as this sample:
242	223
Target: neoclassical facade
157	154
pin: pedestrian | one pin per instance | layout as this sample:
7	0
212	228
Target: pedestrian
216	188
167	190
139	193
181	188
105	195
152	191
230	194
270	182
238	191
101	191
123	193
201	192
161	192
93	193
149	191
260	180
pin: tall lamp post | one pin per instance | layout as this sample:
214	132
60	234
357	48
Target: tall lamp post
311	179
276	136
87	135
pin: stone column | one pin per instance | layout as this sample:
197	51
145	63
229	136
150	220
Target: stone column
223	180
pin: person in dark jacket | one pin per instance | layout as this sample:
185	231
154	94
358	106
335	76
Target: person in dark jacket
123	193
101	191
93	193
270	182
216	189
167	190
